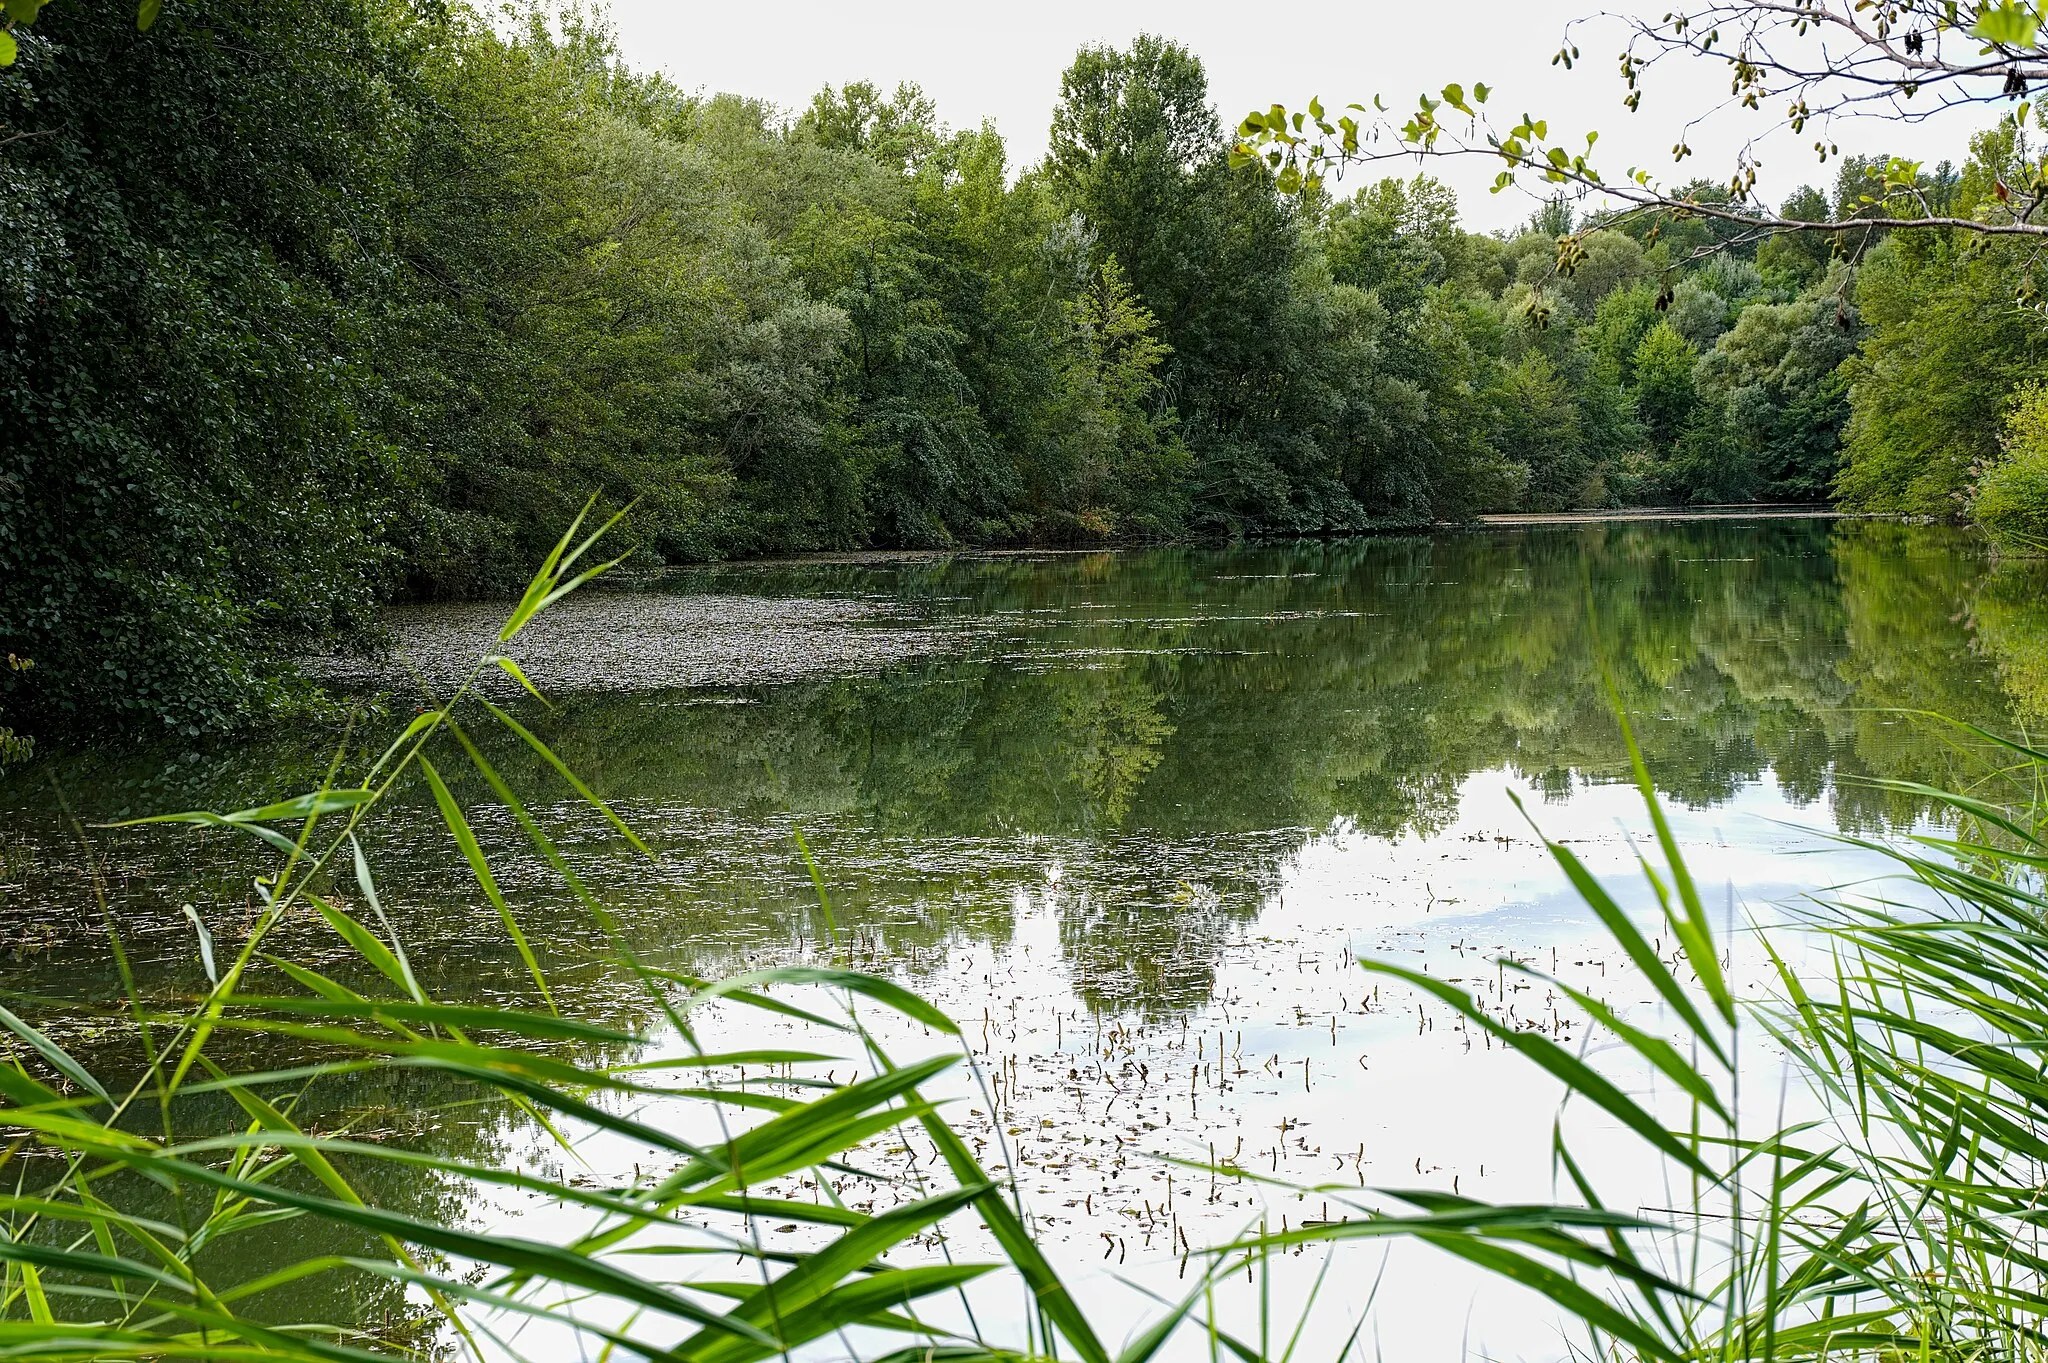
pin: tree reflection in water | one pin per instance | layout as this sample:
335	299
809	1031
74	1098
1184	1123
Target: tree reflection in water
1169	727
1136	745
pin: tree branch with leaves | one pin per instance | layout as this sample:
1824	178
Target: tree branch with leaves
16	15
1802	66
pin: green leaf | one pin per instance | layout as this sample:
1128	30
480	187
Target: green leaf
815	1279
399	964
210	820
25	1092
315	981
55	1054
1694	932
453	1015
547	586
1654	1049
534	1257
465	839
512	670
419	725
2007	25
1567	1068
8	48
562	769
300	808
1584	1304
1631	940
365	943
872	986
145	14
1047	1291
88	1263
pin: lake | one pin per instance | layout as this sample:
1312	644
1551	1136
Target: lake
1128	817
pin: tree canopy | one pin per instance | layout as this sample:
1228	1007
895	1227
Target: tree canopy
310	306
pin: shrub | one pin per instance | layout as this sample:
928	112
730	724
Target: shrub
2011	497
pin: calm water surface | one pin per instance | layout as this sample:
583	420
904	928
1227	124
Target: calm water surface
1130	817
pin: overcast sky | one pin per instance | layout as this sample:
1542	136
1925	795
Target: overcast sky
1003	62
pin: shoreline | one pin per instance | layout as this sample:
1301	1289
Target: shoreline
1738	511
1503	521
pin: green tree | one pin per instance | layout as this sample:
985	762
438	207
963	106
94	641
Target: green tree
1792	261
1708	462
1779	368
1537	428
1217	257
1125	470
899	132
1946	349
1665	393
190	492
2010	499
1620	323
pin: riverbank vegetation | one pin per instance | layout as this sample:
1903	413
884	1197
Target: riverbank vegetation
312	306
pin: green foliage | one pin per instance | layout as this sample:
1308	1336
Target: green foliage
898	132
1948	347
189	483
1219	259
2010	500
1395	238
1121	467
1663	366
16	747
1697	313
479	270
1708	463
17	15
568	282
1620	323
149	1186
1612	261
1779	369
1809	1236
1791	261
1537	427
93	1273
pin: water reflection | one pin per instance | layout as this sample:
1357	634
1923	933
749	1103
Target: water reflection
1168	727
1147	786
1184	693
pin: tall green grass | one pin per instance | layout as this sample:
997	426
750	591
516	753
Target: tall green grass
1897	1218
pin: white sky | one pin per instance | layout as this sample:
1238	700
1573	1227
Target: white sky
1003	62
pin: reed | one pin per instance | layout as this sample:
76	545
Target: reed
1896	1213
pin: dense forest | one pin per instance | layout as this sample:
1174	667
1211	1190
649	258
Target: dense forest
310	305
